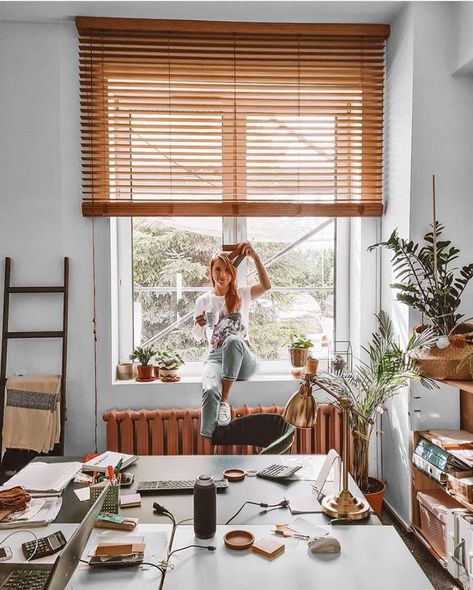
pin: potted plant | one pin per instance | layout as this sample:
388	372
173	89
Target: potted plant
367	386
298	348
144	354
432	286
169	363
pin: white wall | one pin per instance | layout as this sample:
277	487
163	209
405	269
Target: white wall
429	131
464	33
398	139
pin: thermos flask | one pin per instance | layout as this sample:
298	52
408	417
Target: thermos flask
205	507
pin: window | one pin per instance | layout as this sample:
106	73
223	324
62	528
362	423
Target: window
170	258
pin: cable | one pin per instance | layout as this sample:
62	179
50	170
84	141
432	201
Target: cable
185	520
283	504
24	531
208	547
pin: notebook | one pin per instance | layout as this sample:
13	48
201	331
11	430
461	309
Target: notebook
101	462
268	547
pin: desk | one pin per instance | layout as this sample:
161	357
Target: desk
228	502
369	555
372	558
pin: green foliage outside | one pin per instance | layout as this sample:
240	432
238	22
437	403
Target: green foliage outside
160	253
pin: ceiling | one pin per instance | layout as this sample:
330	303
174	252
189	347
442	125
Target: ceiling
250	10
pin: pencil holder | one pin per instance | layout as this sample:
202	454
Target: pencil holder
110	503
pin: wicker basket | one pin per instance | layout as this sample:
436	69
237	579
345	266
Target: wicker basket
298	356
437	363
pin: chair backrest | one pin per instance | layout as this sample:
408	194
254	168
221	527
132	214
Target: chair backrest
269	431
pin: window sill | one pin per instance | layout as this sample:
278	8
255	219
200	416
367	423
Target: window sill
258	378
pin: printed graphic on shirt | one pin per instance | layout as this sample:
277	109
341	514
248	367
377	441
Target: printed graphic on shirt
228	325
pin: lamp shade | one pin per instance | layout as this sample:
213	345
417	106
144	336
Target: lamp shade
301	409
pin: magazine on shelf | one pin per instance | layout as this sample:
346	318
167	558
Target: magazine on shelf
101	462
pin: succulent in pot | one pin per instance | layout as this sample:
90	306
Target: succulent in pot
169	364
144	354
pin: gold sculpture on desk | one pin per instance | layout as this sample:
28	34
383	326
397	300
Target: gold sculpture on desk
301	412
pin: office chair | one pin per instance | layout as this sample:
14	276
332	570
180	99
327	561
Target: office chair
269	431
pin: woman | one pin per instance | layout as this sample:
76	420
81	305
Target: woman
223	314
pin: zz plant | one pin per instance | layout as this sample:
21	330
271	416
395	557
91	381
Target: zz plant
427	280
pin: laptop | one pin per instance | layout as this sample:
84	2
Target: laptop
48	576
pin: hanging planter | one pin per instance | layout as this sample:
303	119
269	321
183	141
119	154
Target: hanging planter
450	361
432	284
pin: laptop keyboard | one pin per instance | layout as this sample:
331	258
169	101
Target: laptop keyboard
33	579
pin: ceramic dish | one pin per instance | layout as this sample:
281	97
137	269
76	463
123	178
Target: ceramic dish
234	474
238	540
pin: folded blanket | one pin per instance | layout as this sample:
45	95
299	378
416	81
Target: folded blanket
31	419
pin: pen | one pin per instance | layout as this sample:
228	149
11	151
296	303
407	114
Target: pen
119	466
110	473
295	535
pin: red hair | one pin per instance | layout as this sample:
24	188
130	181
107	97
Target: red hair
232	299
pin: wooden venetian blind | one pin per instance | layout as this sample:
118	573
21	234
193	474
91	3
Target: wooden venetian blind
227	119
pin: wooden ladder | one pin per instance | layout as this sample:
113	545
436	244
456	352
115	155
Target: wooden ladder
7	335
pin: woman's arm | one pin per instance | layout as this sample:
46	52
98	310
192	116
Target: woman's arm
264	281
198	328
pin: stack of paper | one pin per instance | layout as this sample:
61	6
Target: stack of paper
44	479
101	462
39	512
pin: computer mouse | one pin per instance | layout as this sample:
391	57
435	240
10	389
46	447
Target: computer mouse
325	544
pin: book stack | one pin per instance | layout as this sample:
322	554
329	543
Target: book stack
118	554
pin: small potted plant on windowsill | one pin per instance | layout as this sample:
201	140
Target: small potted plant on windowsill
144	354
298	350
169	363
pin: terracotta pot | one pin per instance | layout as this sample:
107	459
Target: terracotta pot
443	363
156	371
145	373
375	498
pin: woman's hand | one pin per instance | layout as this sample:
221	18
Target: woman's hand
201	320
246	249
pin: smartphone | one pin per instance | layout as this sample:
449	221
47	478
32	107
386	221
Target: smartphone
5	553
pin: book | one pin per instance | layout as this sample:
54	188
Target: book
268	547
450	439
114	521
44	479
101	462
129	500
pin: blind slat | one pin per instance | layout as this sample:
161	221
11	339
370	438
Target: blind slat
251	116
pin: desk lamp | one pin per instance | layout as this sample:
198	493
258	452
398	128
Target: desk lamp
301	412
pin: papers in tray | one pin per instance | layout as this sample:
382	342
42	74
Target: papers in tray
101	462
39	512
44	479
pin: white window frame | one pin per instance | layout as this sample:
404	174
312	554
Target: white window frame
122	289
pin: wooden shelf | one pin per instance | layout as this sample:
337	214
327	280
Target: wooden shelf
419	534
443	488
462	385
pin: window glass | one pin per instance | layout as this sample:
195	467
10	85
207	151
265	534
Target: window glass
300	259
170	270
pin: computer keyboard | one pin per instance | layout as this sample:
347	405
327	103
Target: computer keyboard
174	485
278	471
21	579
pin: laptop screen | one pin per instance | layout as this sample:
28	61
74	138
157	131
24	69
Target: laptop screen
68	560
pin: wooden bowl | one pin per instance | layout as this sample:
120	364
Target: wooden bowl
238	540
234	474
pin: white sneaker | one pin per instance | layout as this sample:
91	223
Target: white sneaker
224	414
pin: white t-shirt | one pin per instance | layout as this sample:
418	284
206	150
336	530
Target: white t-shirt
220	323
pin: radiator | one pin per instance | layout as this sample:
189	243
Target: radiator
177	432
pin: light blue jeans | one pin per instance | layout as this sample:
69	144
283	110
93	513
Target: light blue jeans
234	361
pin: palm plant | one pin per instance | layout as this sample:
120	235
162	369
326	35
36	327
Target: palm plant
368	385
428	283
